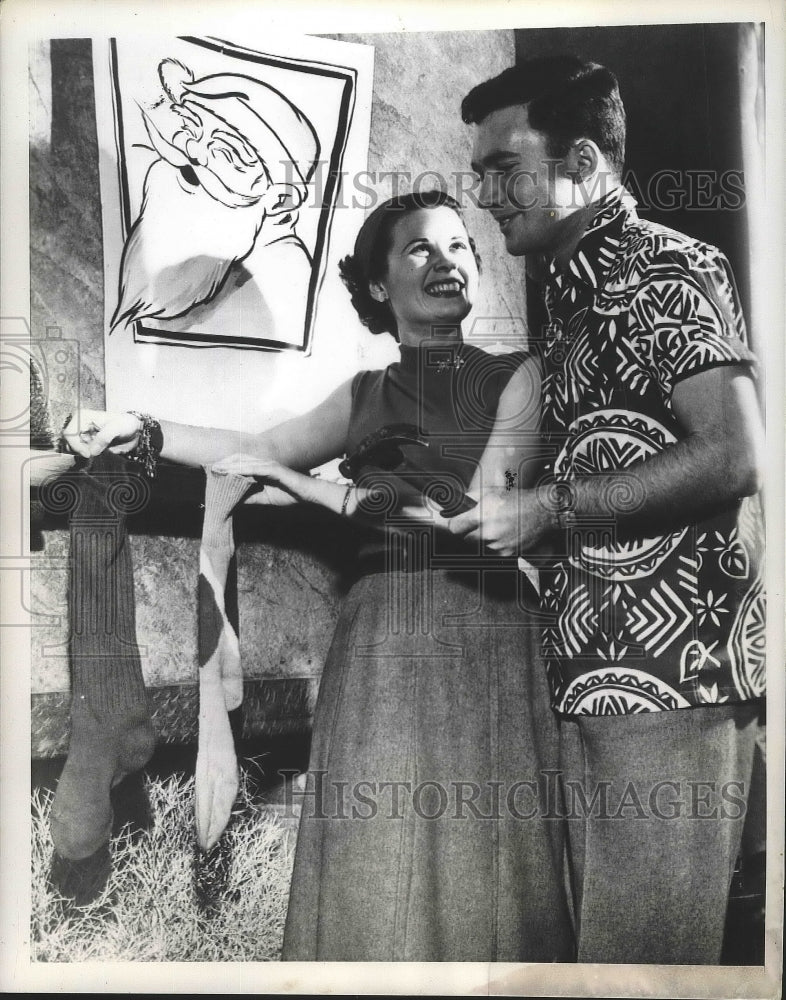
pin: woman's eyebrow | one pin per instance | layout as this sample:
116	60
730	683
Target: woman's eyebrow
424	239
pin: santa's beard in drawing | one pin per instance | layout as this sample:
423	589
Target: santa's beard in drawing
209	195
181	247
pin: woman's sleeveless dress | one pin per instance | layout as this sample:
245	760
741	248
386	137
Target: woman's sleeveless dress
429	829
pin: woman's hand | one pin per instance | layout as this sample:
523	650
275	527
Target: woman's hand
429	511
281	486
90	432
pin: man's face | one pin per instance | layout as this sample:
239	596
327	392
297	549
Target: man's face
529	193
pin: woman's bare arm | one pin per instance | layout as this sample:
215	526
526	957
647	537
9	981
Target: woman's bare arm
303	442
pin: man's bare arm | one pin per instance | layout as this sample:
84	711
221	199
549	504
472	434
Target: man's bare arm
512	454
718	461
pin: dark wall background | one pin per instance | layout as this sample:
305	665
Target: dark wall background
684	88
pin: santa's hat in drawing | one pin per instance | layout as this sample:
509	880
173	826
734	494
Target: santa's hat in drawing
240	136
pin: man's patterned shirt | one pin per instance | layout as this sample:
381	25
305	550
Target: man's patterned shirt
671	620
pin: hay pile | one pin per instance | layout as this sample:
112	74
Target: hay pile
161	903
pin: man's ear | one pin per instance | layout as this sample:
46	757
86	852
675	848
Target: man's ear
377	291
280	198
582	160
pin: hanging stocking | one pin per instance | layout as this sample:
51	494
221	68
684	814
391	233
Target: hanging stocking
111	730
220	673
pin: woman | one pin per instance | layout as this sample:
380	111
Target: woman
425	833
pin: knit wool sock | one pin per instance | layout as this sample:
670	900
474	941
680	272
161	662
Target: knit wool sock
220	672
111	730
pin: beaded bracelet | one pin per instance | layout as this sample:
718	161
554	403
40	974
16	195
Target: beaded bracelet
149	443
346	499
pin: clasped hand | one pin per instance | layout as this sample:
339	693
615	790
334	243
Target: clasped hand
90	432
509	522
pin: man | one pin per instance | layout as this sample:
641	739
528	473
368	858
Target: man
653	605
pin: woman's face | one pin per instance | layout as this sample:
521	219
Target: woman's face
432	276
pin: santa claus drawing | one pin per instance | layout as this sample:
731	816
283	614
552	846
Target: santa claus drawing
214	251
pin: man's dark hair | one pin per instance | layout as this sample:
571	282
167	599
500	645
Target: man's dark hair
566	99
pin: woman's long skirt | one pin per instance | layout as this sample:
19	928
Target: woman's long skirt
430	828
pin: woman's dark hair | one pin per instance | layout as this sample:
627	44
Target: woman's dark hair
368	261
566	99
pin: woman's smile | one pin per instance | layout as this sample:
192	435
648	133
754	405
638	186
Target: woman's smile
431	275
445	288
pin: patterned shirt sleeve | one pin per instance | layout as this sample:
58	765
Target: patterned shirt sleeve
686	318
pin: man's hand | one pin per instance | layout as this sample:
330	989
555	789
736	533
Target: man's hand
90	432
721	447
508	523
